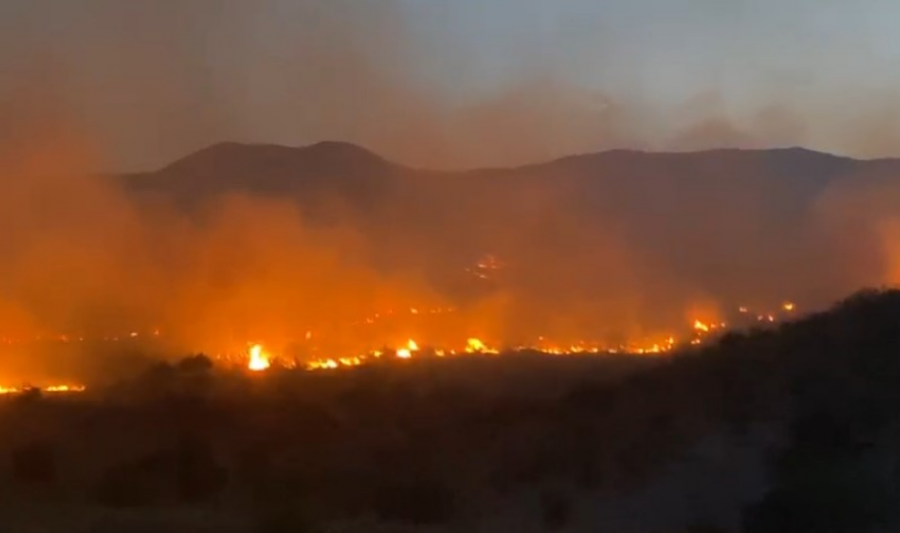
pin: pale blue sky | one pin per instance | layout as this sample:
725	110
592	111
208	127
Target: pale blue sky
684	46
464	82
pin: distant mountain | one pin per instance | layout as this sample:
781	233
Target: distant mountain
341	168
790	176
728	218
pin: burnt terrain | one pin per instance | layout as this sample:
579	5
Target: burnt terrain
791	429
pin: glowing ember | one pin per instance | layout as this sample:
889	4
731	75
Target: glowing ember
65	388
474	345
703	332
259	360
325	364
408	351
315	342
52	389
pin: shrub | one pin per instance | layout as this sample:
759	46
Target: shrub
556	510
286	519
420	501
34	464
198	475
122	486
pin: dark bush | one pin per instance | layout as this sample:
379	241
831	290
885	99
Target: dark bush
198	475
285	518
123	486
195	364
703	527
30	395
556	510
421	502
34	464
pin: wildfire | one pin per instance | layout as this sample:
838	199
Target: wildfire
52	389
485	267
325	364
65	388
474	345
259	360
699	330
408	351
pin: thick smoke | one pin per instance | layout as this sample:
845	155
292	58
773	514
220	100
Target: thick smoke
82	259
152	81
107	85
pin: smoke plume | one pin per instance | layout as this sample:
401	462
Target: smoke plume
107	85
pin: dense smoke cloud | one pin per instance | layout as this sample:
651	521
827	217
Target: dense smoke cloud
152	81
108	84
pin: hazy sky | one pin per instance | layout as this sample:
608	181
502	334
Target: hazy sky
459	82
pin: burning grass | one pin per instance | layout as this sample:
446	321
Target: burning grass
311	351
424	440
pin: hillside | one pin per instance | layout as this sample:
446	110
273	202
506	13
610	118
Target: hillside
730	223
787	430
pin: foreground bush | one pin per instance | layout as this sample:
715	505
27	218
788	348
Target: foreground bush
34	464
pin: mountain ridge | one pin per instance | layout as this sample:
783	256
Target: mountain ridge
723	219
230	150
337	149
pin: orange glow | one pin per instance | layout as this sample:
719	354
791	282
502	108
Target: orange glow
51	389
407	351
355	353
325	364
65	388
259	360
474	345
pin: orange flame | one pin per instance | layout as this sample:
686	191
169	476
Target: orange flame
259	360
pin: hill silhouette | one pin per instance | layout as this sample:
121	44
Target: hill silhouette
231	166
732	221
346	171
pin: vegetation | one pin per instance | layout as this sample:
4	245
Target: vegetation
442	447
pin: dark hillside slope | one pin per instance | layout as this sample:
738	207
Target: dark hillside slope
822	392
727	222
340	171
832	382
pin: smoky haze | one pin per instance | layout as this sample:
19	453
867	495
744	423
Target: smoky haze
230	245
449	85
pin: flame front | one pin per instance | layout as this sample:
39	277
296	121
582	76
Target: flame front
408	351
474	345
313	355
51	389
259	360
